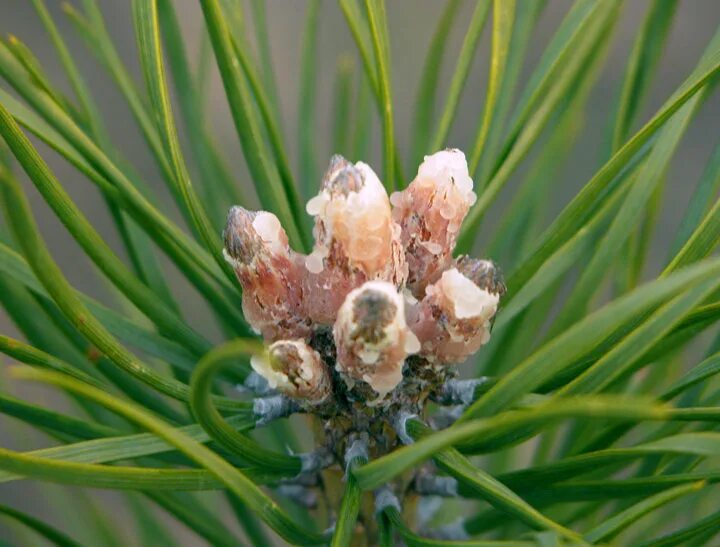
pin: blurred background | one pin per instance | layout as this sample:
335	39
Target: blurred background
411	25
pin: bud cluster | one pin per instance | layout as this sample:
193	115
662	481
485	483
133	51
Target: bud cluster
380	285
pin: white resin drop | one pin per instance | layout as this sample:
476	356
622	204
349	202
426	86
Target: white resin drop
274	378
314	261
412	344
316	205
468	299
449	167
268	227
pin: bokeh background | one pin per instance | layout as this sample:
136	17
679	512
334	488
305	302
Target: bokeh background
411	25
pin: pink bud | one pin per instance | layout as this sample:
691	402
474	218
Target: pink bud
454	318
268	270
296	370
430	211
371	337
356	239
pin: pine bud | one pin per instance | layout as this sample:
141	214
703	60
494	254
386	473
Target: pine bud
430	211
356	239
268	270
455	317
296	370
372	338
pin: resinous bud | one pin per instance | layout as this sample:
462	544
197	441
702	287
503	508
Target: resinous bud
454	318
430	212
270	273
372	338
296	370
356	239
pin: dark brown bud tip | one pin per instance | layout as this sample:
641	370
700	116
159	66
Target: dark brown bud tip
484	273
239	244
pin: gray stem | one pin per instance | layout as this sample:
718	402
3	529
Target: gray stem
459	392
267	409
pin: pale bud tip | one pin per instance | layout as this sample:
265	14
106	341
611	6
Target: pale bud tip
372	337
448	167
468	300
295	369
